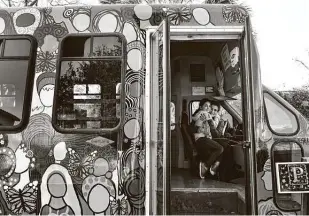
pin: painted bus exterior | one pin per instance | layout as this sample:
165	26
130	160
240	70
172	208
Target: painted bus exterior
108	174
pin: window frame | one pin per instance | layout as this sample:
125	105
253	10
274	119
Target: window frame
27	102
287	108
273	169
60	59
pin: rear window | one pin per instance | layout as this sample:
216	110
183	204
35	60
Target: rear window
281	120
17	63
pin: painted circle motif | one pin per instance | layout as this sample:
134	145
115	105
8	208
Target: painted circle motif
136	55
130	32
135	89
81	22
2	25
135	59
26	20
7	162
132	128
91	181
143	12
201	16
100	167
107	21
133	186
96	204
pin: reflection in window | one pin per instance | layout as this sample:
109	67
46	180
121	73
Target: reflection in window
87	105
194	106
88	46
88	95
118	97
236	104
226	116
7	95
87	91
13	76
76	47
17	48
107	46
281	120
173	117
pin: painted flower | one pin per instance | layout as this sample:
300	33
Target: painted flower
234	13
127	13
158	15
178	15
46	61
120	206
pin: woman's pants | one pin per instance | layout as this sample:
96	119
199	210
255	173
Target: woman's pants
208	150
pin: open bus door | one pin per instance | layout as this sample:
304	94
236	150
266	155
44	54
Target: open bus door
157	111
249	119
158	121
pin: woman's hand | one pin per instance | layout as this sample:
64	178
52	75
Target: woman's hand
204	116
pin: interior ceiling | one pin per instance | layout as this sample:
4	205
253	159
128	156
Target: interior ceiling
185	48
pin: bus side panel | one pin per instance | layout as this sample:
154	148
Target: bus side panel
268	142
95	174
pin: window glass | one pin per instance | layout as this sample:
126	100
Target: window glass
1	44
194	105
84	103
281	120
82	46
88	94
284	156
13	78
236	104
107	46
226	116
17	48
76	46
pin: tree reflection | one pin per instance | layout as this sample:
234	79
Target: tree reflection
106	73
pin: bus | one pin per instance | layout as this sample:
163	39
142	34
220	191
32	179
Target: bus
97	106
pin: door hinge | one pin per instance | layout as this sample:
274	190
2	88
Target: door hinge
246	144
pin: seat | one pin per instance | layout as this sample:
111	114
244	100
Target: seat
189	143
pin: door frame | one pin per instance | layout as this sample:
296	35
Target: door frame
199	33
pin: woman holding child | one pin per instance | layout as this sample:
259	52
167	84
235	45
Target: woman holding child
209	151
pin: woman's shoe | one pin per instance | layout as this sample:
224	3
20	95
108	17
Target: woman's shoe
214	167
203	170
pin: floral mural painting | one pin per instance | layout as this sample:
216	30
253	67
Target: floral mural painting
51	173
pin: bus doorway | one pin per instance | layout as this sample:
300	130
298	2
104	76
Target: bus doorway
185	70
195	84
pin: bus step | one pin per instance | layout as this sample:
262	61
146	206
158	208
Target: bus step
203	202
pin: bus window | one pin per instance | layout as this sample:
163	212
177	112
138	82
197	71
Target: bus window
281	120
194	105
226	116
89	83
17	48
17	65
286	156
236	104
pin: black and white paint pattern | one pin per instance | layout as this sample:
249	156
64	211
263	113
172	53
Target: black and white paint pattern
95	168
